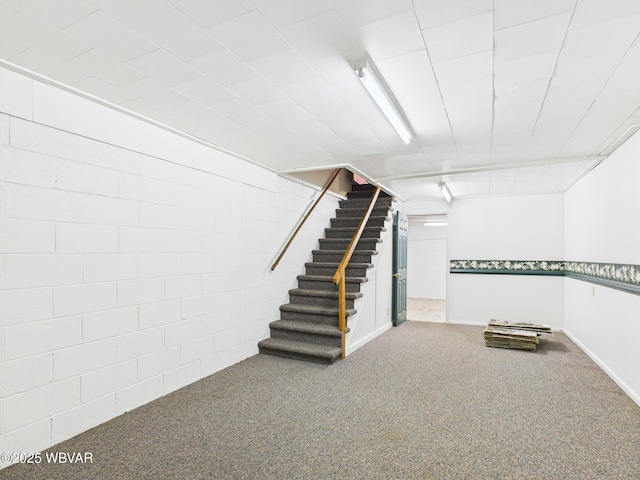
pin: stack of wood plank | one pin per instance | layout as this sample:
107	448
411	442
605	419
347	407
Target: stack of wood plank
523	336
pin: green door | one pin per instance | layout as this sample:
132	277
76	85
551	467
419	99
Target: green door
399	302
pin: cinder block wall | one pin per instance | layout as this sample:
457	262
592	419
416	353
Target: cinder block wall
124	274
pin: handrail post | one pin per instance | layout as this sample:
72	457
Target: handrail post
304	219
339	278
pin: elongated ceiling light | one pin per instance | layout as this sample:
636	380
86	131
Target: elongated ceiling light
384	99
446	192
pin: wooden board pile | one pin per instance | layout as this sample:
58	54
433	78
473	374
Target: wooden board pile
523	336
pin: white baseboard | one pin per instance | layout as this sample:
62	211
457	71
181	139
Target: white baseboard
354	346
633	395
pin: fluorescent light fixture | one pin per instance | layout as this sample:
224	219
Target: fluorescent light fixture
384	99
445	191
435	224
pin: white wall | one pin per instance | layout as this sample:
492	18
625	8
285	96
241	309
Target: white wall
528	227
133	261
602	226
427	261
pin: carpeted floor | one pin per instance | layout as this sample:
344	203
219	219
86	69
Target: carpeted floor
423	401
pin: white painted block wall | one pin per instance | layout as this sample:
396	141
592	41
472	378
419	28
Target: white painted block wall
133	261
602	226
527	227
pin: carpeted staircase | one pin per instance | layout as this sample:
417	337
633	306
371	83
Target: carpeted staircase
308	325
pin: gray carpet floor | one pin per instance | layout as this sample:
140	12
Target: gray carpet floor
422	401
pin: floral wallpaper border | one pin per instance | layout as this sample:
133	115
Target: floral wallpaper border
624	277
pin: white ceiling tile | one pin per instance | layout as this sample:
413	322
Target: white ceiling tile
320	37
257	91
509	13
284	68
44	64
520	71
110	36
224	67
590	12
204	90
26	30
315	96
60	13
7	11
285	111
467	69
281	13
9	48
532	38
208	13
149	109
457	39
104	90
249	36
356	13
108	69
190	108
164	67
133	12
178	35
390	37
152	90
432	13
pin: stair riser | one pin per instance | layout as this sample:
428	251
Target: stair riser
306	337
342	244
329	271
310	317
295	356
366	233
354	222
359	212
326	286
337	257
320	301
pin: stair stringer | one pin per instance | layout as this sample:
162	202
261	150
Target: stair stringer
373	310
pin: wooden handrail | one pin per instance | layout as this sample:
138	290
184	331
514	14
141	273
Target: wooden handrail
339	278
286	247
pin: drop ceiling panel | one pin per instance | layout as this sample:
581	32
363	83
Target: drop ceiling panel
436	12
390	37
210	13
510	13
356	13
319	37
532	38
460	38
26	30
107	68
132	13
48	66
284	68
224	67
164	67
60	14
206	91
104	90
110	36
186	40
281	13
249	36
590	12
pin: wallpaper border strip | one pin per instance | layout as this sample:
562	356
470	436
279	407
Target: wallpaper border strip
624	277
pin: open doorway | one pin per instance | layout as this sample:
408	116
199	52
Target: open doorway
427	268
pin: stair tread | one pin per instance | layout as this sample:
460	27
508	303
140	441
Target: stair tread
334	252
347	240
327	278
335	264
307	327
300	308
322	293
351	229
304	348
